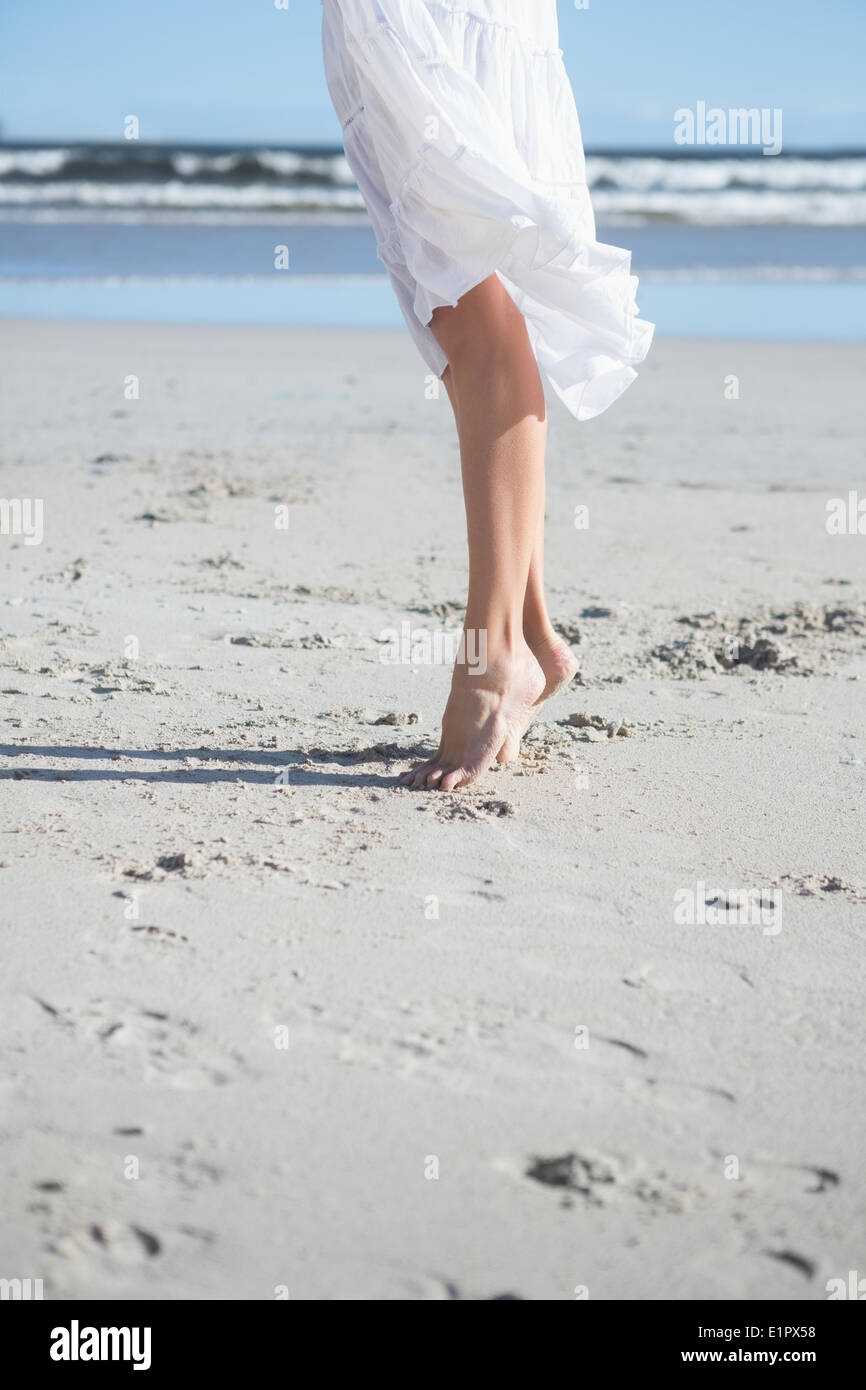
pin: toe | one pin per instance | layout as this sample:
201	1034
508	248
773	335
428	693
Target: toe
411	778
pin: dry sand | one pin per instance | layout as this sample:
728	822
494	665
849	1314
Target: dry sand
203	845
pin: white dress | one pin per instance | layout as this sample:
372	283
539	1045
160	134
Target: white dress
460	127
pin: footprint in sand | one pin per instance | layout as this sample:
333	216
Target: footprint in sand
601	1180
80	1256
166	1049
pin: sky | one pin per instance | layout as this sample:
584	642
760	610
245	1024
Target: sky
251	70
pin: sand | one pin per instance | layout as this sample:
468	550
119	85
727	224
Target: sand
274	1027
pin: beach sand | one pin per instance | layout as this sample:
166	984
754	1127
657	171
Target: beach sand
274	1026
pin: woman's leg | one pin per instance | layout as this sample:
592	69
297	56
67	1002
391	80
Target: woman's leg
501	420
551	651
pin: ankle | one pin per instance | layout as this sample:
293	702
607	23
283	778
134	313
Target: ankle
500	635
540	635
492	661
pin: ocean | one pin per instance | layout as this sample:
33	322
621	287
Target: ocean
725	244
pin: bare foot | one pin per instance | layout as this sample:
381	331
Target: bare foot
559	665
483	714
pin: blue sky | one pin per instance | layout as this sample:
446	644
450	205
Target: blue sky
224	70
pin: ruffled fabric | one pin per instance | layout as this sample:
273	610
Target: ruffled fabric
460	127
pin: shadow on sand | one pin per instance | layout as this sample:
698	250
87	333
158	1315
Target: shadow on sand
295	767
